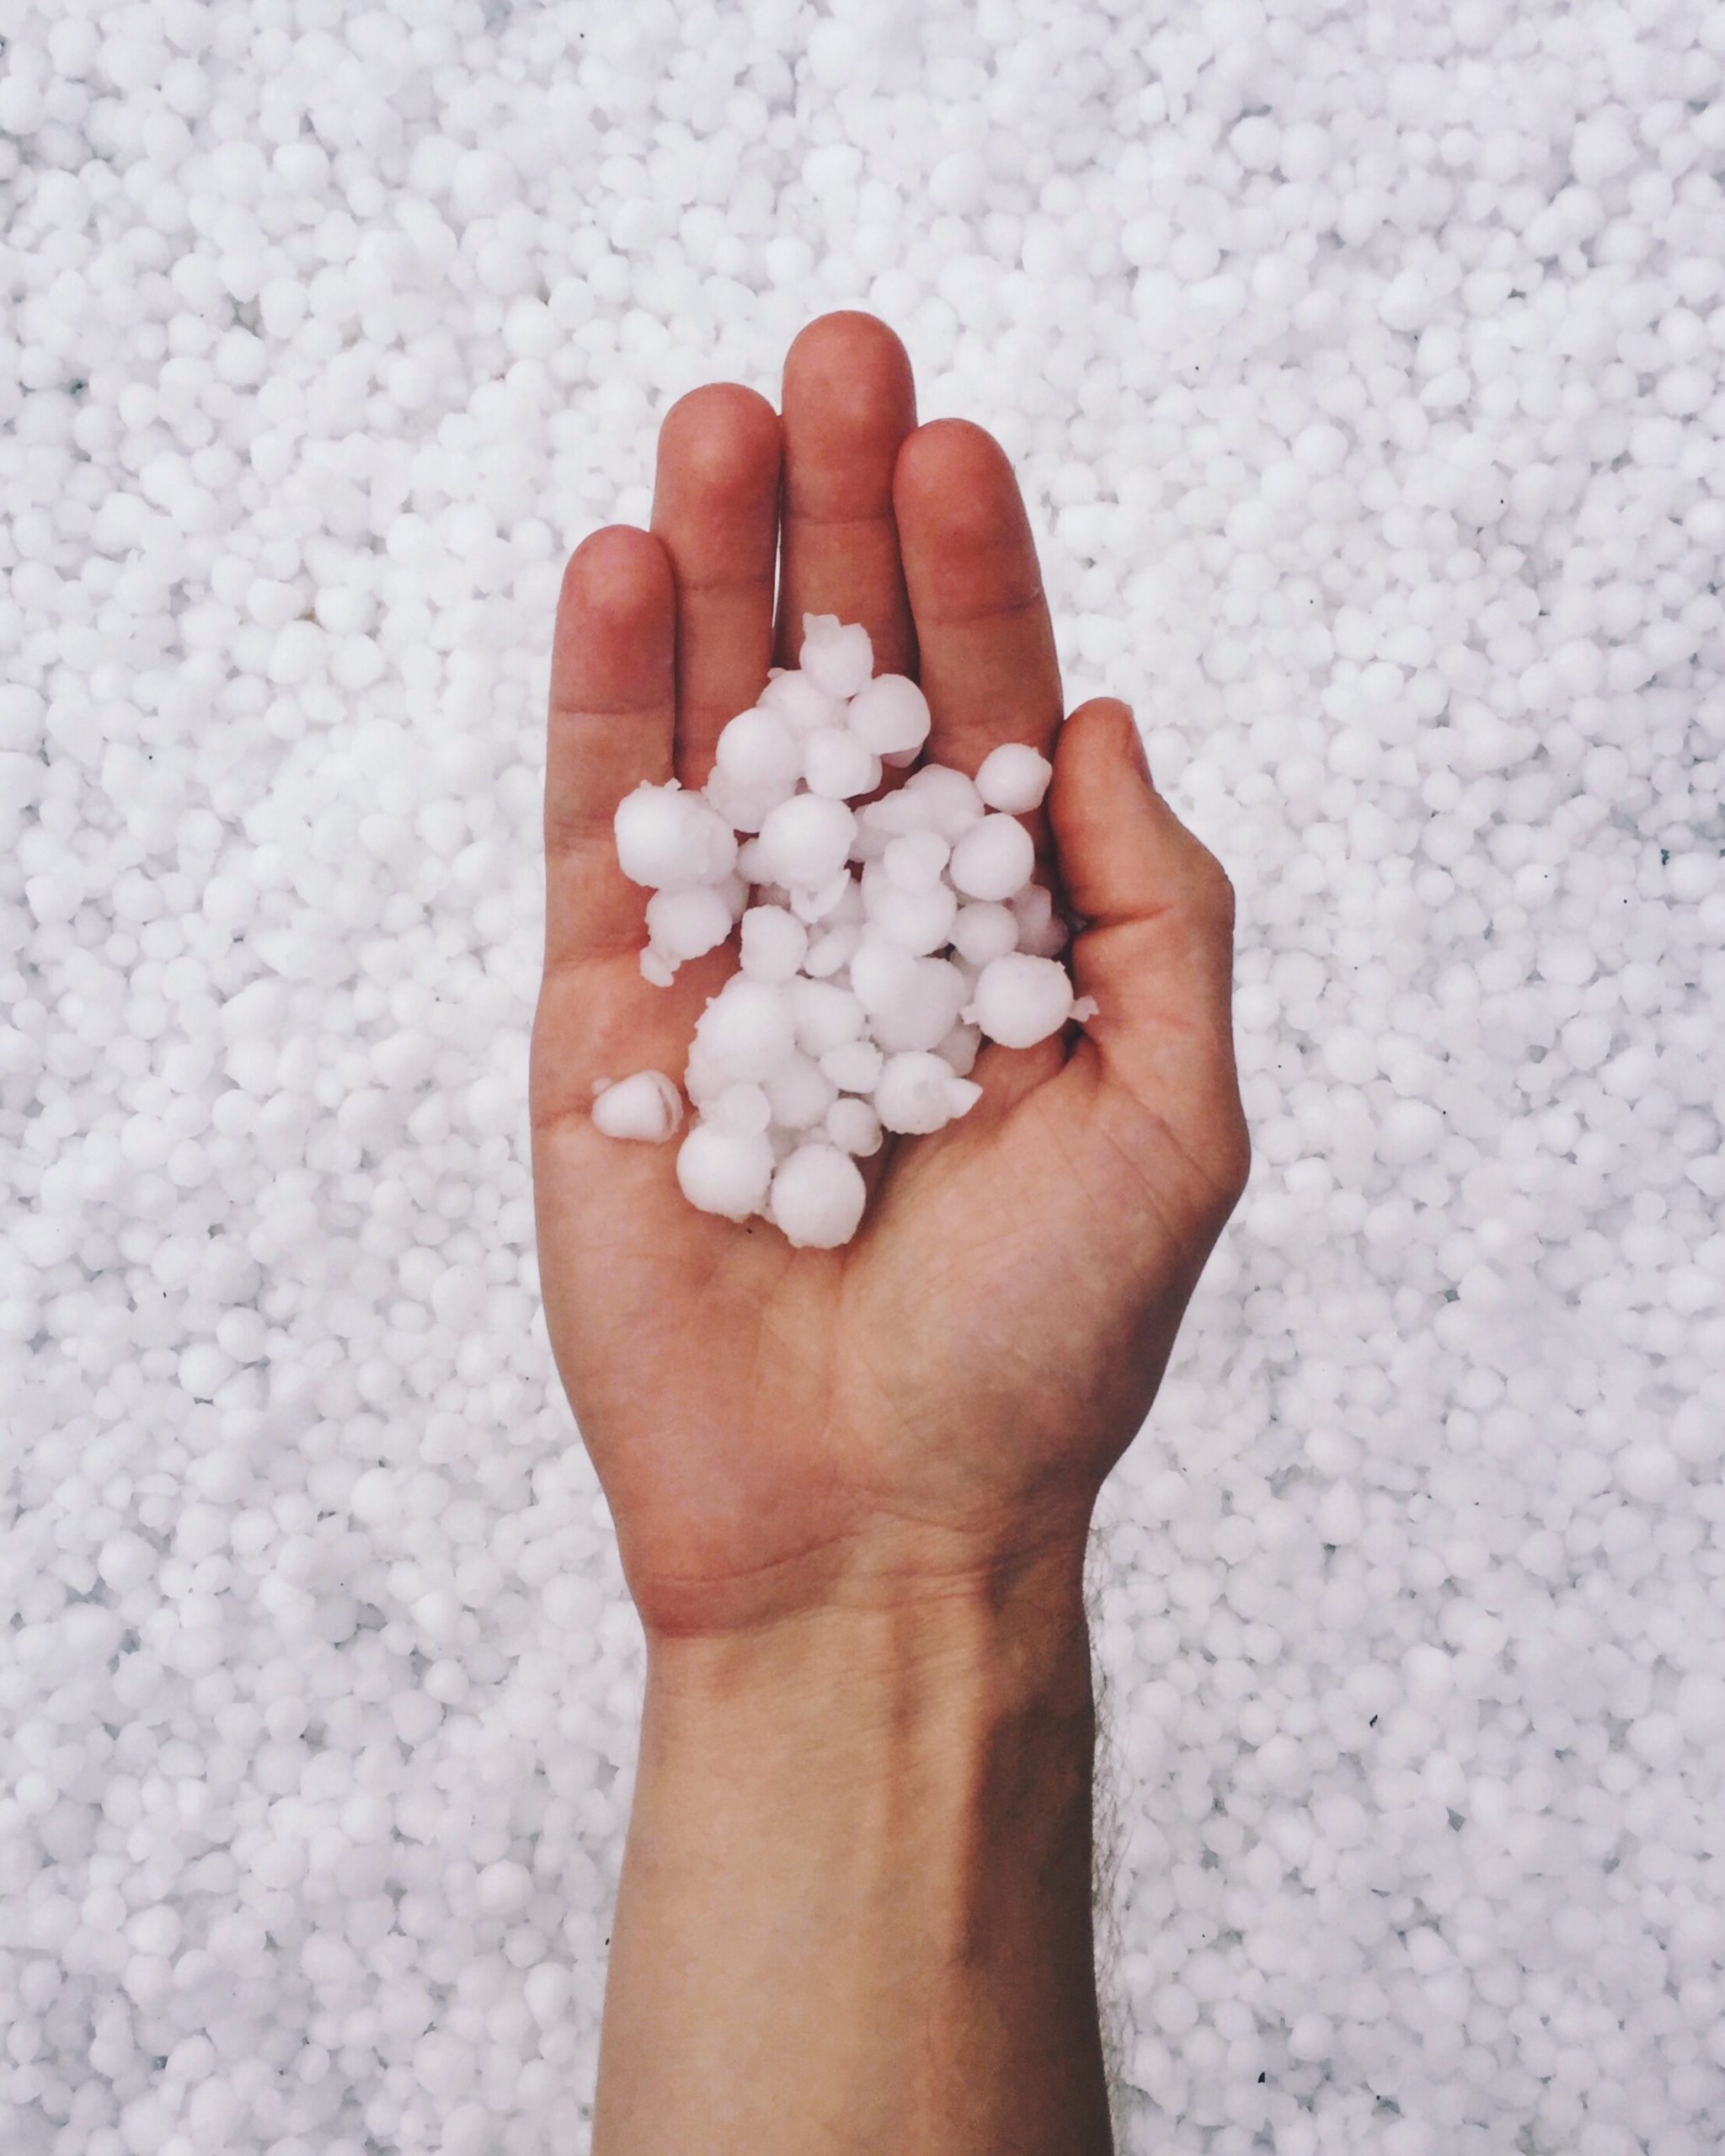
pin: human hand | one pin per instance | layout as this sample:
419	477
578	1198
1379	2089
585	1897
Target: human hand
935	1404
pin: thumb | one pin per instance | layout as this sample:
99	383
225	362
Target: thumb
1156	949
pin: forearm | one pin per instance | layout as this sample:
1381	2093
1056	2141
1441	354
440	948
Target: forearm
855	1908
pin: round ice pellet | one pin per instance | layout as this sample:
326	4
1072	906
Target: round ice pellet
758	749
1045	939
920	920
927	1011
792	696
817	1198
742	1107
853	1127
1041	931
1021	1000
832	947
914	861
744	807
883	976
836	764
1013	777
805	841
774	944
687	920
904	810
825	899
745	1030
993	858
982	930
727	1172
917	1092
666	836
836	655
888	715
824	1014
800	1093
960	1047
645	1105
854	1066
942	800
705	1076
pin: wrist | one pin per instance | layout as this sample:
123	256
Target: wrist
1007	1639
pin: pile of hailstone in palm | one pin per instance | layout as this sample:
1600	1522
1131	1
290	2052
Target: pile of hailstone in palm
880	945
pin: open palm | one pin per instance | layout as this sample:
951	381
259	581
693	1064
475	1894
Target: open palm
778	1428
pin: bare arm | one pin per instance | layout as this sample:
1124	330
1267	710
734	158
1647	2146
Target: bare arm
855	1912
852	1487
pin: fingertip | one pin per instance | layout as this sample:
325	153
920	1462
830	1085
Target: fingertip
854	360
616	572
1109	721
1098	745
957	471
849	401
721	440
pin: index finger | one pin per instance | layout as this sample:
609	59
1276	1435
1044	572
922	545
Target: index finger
612	711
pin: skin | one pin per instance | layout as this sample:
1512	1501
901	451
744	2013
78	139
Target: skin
852	1487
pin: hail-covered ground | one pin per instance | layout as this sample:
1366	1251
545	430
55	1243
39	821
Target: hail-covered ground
1364	370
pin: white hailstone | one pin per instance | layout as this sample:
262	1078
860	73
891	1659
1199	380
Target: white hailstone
854	1066
798	1092
1020	999
921	921
1013	777
919	1092
688	920
960	1048
746	1030
667	836
1040	931
1603	147
853	1127
836	655
905	808
836	764
883	974
914	863
823	1015
945	799
805	841
927	1011
984	930
805	708
745	808
547	1990
741	1107
850	902
705	1076
645	1105
890	716
759	753
993	858
724	1170
504	1887
831	947
823	901
817	1198
774	944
